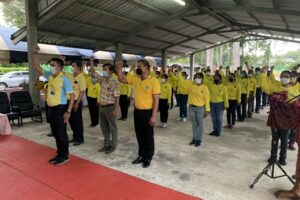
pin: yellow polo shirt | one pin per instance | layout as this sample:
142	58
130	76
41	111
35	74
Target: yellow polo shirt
234	91
252	85
166	91
79	85
244	85
125	89
198	95
93	90
143	90
218	94
58	89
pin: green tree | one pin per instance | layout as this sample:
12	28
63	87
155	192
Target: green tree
14	13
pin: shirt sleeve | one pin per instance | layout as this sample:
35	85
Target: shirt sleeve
239	93
207	99
82	84
117	89
156	87
67	86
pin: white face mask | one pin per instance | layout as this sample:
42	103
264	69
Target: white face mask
285	80
198	80
53	70
163	80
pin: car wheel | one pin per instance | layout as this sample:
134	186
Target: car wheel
3	86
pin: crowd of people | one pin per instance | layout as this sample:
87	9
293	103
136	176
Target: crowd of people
240	93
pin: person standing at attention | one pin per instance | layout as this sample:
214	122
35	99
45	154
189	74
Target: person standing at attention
218	103
59	112
109	104
146	99
164	100
75	120
125	92
199	105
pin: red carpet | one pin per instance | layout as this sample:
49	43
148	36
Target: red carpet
25	174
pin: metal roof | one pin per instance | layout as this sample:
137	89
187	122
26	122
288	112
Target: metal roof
147	27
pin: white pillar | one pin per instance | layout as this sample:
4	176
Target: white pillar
192	63
235	55
210	57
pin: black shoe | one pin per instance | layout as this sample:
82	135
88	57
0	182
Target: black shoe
124	119
294	177
52	160
192	142
217	134
121	118
198	143
77	143
138	160
72	141
110	150
213	133
257	111
103	149
50	135
93	125
282	162
146	163
61	161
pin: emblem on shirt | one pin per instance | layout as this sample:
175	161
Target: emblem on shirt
147	87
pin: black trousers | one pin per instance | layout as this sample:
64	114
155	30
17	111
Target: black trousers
47	112
264	99
242	108
250	104
76	124
231	112
59	130
124	105
258	99
164	108
144	133
282	135
94	110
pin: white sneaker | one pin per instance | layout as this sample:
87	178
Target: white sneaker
184	119
164	125
159	124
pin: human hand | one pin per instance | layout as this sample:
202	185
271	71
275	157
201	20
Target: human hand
66	117
153	121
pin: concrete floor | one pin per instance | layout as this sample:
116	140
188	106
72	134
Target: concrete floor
221	169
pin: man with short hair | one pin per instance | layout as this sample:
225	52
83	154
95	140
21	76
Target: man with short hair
109	104
59	112
146	96
79	86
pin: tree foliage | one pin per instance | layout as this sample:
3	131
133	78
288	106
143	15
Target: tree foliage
14	12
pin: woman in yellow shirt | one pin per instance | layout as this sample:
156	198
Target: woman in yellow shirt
218	103
252	93
242	109
199	107
234	99
93	97
164	100
182	96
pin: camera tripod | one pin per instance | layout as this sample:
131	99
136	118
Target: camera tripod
271	167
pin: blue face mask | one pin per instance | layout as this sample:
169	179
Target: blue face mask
105	74
94	80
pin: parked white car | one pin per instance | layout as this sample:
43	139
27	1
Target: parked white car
13	79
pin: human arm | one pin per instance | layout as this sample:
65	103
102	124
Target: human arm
36	64
153	118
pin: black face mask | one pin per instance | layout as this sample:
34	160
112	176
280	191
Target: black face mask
231	79
216	81
138	71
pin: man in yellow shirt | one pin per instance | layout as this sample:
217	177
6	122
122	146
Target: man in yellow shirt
164	100
258	97
125	91
75	121
146	99
199	106
59	112
218	103
245	90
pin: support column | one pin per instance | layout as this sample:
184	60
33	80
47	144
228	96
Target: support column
210	57
31	8
164	59
118	52
236	55
192	63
